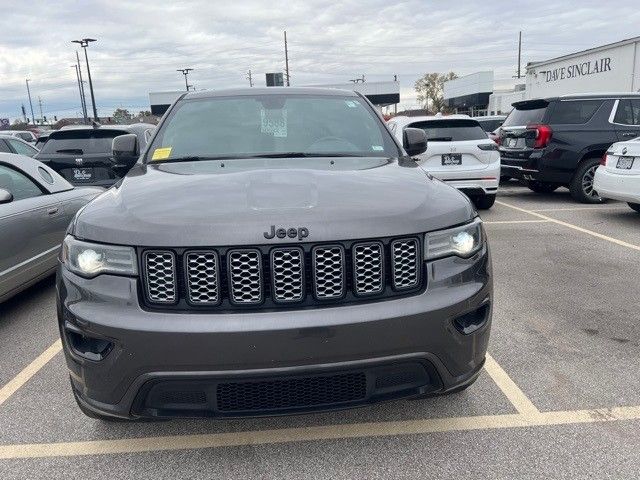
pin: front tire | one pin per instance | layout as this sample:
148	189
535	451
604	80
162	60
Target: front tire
541	187
484	202
635	206
581	186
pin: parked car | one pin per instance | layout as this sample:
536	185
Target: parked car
559	141
10	144
274	251
82	154
26	135
459	153
618	176
36	206
490	124
42	139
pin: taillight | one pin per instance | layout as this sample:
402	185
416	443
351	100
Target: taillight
603	160
543	135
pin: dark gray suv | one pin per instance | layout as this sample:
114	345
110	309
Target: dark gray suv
273	251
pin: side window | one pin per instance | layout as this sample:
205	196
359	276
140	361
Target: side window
18	184
25	136
575	111
21	148
4	148
628	112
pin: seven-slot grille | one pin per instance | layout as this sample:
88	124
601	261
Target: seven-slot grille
281	275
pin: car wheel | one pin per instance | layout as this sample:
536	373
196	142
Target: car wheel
581	187
484	202
635	206
541	187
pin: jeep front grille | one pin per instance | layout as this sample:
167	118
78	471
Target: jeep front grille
274	277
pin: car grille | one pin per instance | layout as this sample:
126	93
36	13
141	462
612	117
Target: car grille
304	275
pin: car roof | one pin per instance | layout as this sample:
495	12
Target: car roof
17	139
405	120
490	117
581	96
30	167
236	92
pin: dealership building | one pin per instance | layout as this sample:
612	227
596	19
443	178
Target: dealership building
609	68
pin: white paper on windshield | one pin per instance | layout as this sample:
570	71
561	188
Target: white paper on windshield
274	122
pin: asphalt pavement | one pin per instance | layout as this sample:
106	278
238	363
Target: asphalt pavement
560	397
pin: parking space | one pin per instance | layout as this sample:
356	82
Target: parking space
561	386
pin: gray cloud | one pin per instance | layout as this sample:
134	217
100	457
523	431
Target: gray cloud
141	43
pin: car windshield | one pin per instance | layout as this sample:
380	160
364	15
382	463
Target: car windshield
454	130
81	141
489	125
272	125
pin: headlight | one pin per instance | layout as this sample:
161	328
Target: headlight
462	241
91	259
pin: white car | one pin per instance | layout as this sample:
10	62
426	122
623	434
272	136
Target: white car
618	176
458	153
25	135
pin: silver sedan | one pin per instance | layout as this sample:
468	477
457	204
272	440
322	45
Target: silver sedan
36	206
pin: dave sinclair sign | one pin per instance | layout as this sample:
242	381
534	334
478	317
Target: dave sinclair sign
582	69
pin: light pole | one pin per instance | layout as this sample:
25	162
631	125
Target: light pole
84	43
185	72
33	118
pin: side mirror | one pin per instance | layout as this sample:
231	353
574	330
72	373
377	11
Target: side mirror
125	152
414	141
5	196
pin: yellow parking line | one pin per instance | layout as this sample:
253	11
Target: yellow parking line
516	396
29	371
507	222
316	433
575	227
569	209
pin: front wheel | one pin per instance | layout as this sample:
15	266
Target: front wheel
484	202
581	186
635	206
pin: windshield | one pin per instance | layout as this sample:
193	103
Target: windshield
451	130
490	125
271	126
81	141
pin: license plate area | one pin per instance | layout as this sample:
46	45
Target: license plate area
82	174
452	159
625	163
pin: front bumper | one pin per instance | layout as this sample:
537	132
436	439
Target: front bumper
149	350
625	188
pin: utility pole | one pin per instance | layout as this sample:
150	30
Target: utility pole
249	78
519	51
33	118
286	59
40	103
83	113
84	43
185	72
83	97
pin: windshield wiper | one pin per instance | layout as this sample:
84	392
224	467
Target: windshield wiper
439	139
306	155
74	151
192	158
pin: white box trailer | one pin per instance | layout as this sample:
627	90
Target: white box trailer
608	68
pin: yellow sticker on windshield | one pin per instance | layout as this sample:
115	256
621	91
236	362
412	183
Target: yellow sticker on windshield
161	153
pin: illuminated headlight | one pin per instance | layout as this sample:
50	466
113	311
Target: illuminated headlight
462	241
91	259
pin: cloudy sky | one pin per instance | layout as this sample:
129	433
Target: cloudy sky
142	43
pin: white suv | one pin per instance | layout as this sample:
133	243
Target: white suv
458	153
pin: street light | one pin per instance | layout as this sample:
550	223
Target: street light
33	118
84	43
185	72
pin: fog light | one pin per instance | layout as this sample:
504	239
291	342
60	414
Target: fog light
472	321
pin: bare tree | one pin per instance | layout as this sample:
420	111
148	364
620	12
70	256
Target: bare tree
430	90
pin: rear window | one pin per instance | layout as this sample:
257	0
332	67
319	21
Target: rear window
451	130
574	111
81	142
525	114
489	125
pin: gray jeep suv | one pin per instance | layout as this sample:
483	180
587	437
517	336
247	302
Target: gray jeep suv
272	251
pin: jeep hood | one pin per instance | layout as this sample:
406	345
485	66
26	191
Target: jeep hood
233	202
